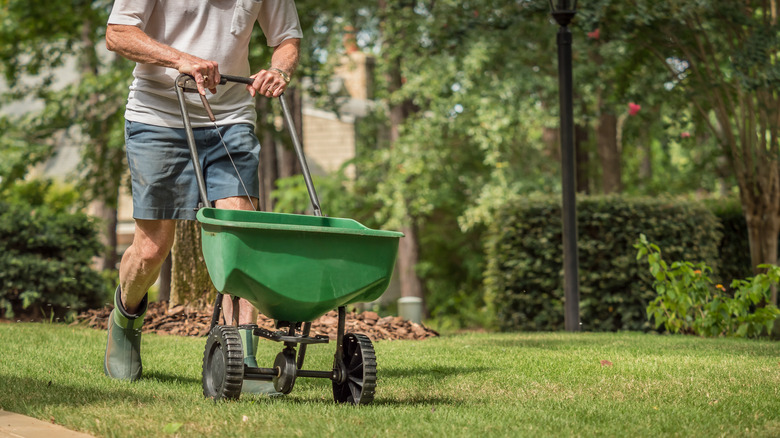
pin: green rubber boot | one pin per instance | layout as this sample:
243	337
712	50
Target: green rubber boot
249	343
123	348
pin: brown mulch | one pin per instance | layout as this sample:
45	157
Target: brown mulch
188	321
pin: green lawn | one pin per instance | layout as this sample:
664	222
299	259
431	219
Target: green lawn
521	384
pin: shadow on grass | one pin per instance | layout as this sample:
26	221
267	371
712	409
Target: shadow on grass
436	371
24	394
170	378
423	401
396	398
413	400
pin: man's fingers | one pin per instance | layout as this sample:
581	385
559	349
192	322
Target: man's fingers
206	76
251	88
276	89
279	90
200	81
267	84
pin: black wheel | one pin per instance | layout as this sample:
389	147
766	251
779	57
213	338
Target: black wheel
357	380
223	364
285	364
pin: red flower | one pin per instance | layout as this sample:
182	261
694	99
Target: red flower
685	134
594	35
633	108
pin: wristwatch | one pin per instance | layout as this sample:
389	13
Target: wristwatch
282	73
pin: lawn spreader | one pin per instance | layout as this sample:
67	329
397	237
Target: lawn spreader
292	268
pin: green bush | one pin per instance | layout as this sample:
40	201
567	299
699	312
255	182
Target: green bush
45	257
689	301
524	274
734	248
292	196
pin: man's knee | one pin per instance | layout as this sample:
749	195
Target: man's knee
152	252
153	240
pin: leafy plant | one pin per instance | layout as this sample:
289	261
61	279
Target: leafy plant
291	195
688	301
45	257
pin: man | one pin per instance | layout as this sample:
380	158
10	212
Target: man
203	39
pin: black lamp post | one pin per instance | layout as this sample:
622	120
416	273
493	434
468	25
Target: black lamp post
563	11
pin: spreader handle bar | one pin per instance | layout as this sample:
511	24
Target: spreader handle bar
315	202
224	79
181	82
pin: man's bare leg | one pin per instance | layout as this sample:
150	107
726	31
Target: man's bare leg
247	314
139	269
141	262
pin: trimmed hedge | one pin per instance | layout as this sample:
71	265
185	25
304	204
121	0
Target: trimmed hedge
45	258
734	247
524	251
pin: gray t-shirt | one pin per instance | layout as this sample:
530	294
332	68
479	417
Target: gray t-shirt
216	30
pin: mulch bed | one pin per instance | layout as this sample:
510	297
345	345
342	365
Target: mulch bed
188	321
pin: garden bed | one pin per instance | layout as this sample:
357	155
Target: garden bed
189	321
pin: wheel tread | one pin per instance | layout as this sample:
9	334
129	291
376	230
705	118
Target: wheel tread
358	355
230	388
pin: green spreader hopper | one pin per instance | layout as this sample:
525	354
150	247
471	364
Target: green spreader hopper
296	267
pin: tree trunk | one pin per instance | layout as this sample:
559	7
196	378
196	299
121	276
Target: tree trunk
190	281
408	255
763	223
551	139
646	165
164	293
645	149
609	155
107	217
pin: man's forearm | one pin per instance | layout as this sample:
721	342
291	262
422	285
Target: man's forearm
135	45
285	56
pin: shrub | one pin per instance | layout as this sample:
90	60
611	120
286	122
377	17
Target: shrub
689	302
45	257
524	278
734	248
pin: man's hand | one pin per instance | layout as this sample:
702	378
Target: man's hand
206	73
269	83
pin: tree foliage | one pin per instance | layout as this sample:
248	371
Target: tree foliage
722	56
42	43
468	108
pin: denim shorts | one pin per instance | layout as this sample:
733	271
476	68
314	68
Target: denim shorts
163	178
